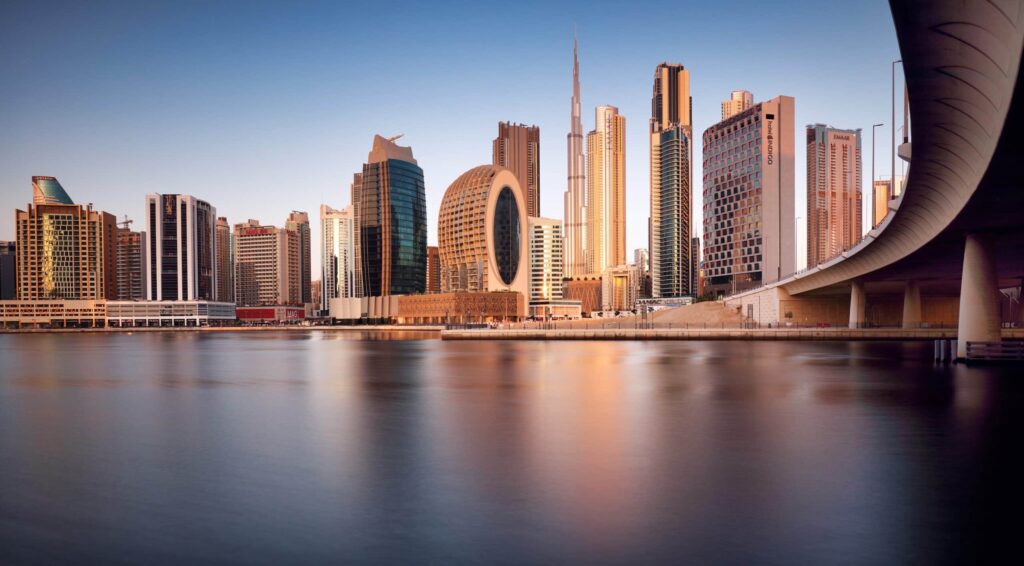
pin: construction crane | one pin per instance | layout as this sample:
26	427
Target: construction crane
126	223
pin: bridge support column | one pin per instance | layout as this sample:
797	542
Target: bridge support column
857	304
912	305
979	295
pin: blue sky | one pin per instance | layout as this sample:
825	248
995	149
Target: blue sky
263	108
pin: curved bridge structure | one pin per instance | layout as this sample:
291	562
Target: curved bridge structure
956	235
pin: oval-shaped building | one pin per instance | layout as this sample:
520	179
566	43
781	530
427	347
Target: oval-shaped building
482	233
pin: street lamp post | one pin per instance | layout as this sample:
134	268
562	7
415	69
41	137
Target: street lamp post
874	221
892	100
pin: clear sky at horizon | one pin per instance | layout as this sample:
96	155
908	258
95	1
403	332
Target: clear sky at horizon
261	108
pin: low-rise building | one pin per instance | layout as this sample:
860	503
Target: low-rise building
586	289
122	314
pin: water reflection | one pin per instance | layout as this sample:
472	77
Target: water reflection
325	447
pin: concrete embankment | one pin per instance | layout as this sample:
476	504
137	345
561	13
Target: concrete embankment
714	334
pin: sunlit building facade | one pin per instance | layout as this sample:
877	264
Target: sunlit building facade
739	100
337	259
606	191
546	261
180	249
433	269
575	198
298	222
392	222
129	265
482	234
267	265
749	216
517	148
834	205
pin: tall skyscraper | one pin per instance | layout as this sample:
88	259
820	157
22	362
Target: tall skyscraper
739	101
8	274
546	261
517	147
129	265
671	136
433	269
179	254
64	250
338	254
392	221
749	216
834	204
267	265
299	222
357	261
225	262
606	191
575	211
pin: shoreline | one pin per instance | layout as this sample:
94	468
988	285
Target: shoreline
123	330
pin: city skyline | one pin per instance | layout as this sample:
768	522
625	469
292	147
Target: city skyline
238	140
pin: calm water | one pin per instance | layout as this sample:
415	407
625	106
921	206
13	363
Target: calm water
325	448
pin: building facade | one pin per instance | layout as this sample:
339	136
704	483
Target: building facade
880	201
357	262
834	205
749	216
546	259
482	234
586	289
671	156
337	258
575	198
180	248
130	284
64	250
739	100
225	263
267	265
392	222
606	191
8	271
517	148
298	222
620	288
433	269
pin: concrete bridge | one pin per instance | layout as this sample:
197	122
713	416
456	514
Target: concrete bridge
956	236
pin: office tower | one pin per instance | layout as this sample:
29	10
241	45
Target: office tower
881	190
357	262
517	147
546	259
576	191
267	265
482	234
671	137
8	274
642	261
834	204
64	250
180	249
338	254
225	263
299	222
129	264
433	270
739	101
695	276
46	190
749	216
392	221
606	191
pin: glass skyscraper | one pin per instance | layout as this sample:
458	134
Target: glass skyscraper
392	222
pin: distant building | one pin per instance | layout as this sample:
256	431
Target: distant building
517	148
880	201
642	260
620	288
575	197
671	158
267	265
696	276
180	249
357	262
337	258
586	289
834	207
482	234
392	222
606	191
129	265
749	198
316	290
433	270
739	101
225	262
8	273
299	223
64	250
546	261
